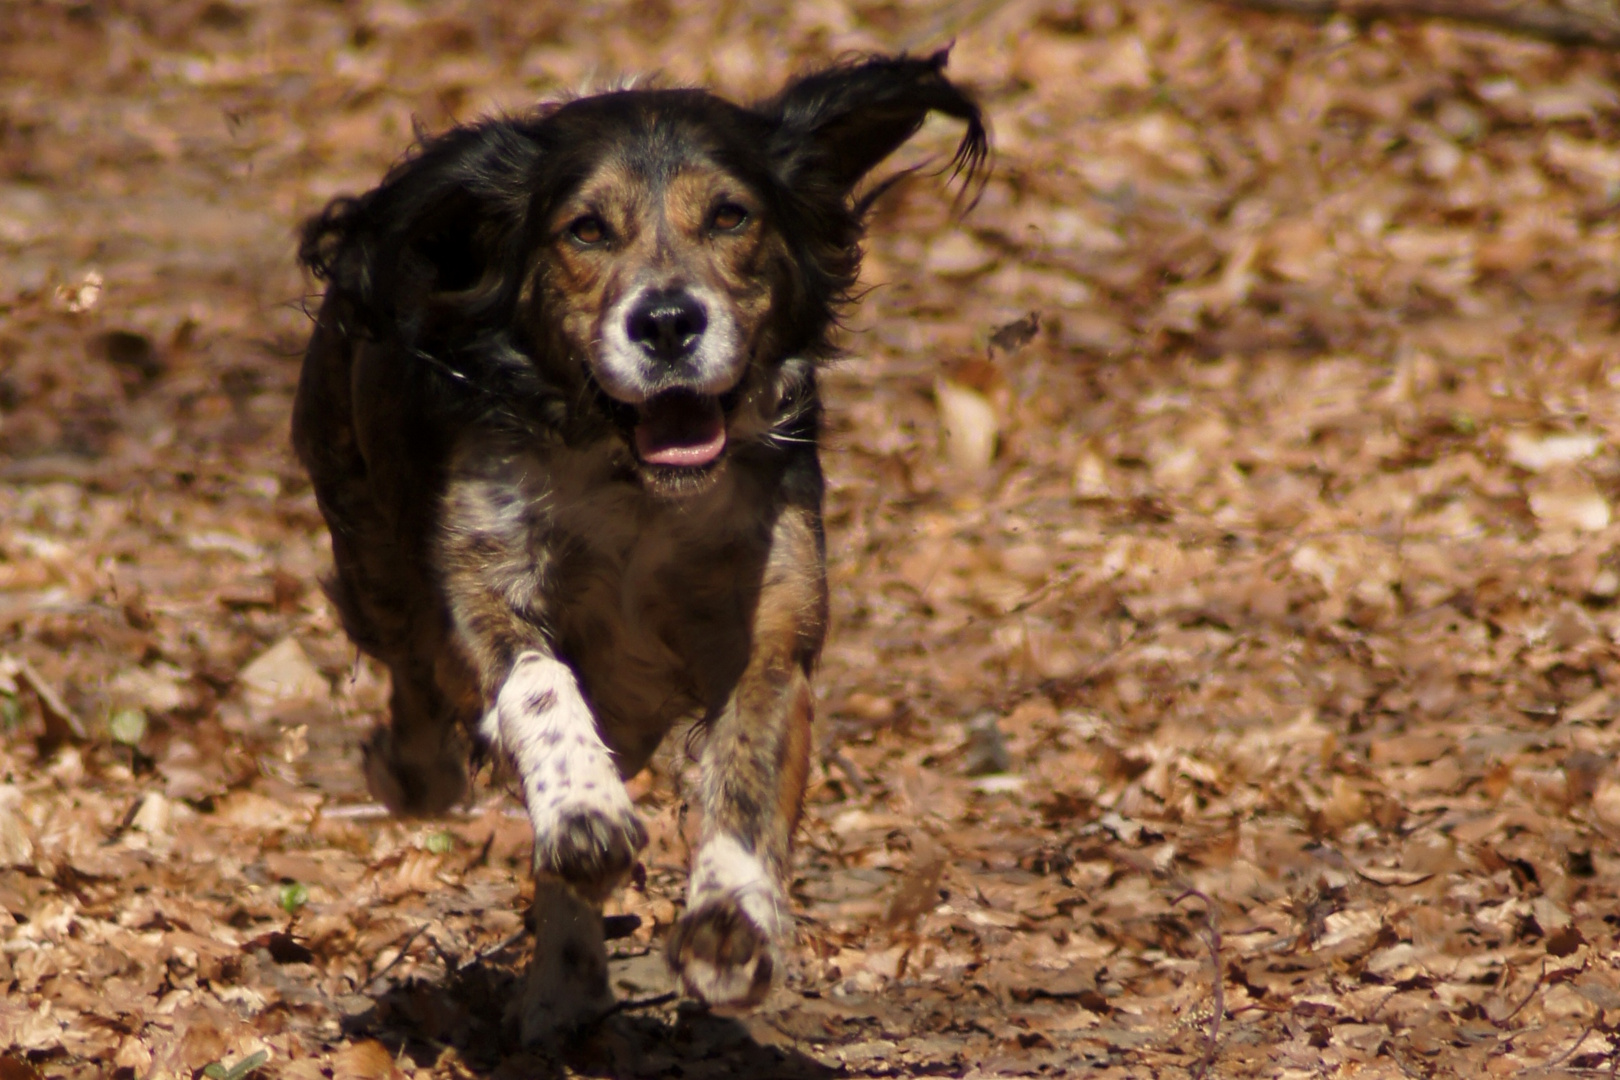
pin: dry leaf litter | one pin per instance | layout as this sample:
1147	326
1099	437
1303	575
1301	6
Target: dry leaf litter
1221	536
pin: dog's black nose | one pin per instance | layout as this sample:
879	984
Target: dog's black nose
667	324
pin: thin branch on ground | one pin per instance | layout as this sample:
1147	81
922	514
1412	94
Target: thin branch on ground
410	939
1576	1045
851	772
499	947
1590	24
1541	977
629	1004
50	701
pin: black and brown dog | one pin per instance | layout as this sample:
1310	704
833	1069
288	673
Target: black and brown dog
560	413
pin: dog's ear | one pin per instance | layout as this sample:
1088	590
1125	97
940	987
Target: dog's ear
444	229
833	127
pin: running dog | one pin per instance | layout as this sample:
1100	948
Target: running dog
559	409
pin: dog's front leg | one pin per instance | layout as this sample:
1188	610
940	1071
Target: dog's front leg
754	765
586	835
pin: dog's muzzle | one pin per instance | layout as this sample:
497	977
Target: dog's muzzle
672	355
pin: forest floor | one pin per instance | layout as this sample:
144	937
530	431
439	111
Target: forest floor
1252	711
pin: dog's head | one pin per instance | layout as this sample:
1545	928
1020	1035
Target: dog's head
663	260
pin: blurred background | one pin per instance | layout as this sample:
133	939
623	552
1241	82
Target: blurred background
1220	529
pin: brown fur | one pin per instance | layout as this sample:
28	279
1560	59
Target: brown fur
560	412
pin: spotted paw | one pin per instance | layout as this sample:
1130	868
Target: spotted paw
591	848
724	958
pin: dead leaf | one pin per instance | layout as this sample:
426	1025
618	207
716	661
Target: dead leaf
958	255
283	674
918	891
16	845
970	426
364	1060
1569	502
1541	453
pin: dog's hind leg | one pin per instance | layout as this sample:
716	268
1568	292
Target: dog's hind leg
345	430
417	764
754	766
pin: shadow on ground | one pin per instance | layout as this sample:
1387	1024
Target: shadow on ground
468	1016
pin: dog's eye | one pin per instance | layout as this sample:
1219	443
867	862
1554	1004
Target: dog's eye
728	217
588	229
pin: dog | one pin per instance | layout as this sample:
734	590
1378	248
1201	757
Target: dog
559	410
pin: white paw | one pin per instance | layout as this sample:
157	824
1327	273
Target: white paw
724	946
585	827
724	958
589	845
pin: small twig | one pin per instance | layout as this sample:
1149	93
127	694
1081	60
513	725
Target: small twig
640	1003
498	947
851	773
452	964
1566	25
50	702
410	939
356	812
1555	1062
1517	1009
369	810
1385	1000
1211	1037
1406	1070
1045	589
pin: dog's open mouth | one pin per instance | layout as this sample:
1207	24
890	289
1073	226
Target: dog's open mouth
680	429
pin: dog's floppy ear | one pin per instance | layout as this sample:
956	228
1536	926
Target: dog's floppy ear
835	126
444	229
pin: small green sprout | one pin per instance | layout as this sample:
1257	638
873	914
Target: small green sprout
293	896
218	1071
127	726
439	843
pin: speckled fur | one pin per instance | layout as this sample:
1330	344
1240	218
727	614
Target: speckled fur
466	413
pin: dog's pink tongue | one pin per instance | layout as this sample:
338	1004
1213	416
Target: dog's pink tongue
681	430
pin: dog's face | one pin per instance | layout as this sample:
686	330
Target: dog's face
661	266
661	270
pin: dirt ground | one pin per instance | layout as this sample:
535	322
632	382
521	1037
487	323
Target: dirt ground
1223	675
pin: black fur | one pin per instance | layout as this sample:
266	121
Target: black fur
523	492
